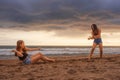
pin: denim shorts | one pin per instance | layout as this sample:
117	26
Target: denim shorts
98	41
27	60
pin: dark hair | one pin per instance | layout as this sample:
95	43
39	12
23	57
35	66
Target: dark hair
94	29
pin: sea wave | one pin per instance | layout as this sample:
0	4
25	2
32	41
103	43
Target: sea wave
64	51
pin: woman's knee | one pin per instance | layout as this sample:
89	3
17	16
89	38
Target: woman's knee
93	49
40	54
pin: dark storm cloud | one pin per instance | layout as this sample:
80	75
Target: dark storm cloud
62	15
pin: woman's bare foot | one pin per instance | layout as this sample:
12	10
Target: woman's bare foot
52	60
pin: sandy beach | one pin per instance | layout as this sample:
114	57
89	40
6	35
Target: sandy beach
75	67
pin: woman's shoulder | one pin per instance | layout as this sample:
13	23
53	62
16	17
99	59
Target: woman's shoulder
99	28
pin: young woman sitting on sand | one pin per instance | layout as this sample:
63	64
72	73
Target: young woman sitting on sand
96	35
21	53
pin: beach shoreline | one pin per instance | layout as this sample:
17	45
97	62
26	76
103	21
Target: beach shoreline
66	67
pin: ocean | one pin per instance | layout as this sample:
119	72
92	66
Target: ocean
5	51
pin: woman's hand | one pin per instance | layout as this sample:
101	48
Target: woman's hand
89	37
13	51
18	53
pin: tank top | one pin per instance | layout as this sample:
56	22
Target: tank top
24	56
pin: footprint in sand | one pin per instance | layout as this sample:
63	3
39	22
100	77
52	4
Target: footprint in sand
71	71
85	79
54	66
70	79
99	79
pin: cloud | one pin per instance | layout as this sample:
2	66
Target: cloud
60	16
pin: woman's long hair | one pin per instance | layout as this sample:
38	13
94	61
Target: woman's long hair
94	29
19	47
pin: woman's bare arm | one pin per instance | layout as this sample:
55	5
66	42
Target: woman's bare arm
91	37
18	53
32	49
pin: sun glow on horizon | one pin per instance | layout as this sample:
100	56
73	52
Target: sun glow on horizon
50	39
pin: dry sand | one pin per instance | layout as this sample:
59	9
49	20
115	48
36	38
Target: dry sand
65	68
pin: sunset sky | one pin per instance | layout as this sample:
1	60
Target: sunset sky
58	22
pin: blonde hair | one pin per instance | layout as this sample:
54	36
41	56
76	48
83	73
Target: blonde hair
19	47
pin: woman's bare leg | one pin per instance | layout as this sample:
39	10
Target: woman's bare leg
101	50
92	50
39	56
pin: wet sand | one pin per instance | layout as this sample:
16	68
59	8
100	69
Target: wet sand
73	67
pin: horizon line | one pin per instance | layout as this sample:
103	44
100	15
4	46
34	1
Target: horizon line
66	45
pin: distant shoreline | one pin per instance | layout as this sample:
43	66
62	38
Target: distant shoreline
4	46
